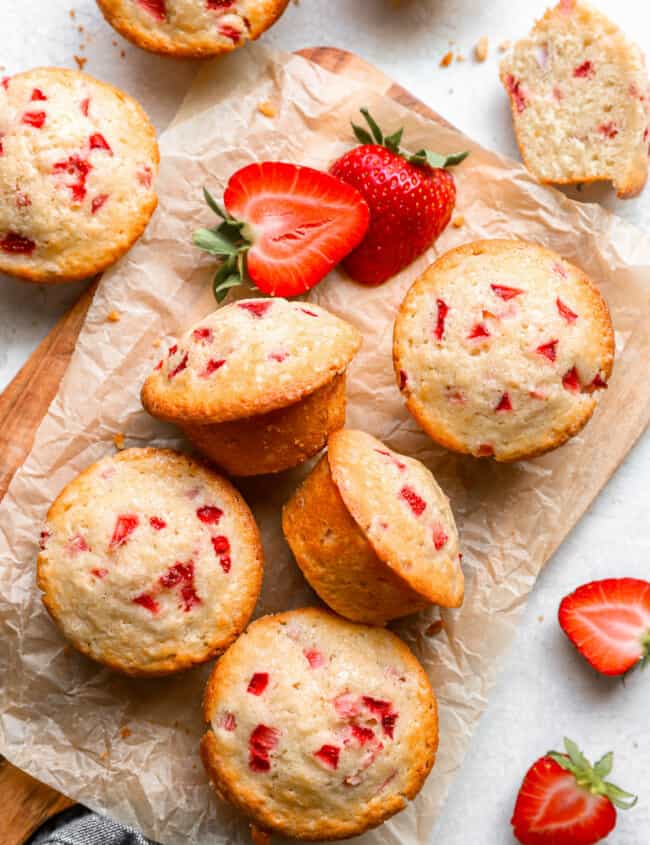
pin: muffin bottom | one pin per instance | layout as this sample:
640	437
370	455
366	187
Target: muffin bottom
276	441
337	559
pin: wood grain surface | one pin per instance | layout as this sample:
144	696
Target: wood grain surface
24	802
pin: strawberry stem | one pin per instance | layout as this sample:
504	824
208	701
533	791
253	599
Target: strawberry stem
592	778
392	142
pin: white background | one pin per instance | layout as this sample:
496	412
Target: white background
545	691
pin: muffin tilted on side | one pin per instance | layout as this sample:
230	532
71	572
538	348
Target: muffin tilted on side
150	563
78	159
501	349
318	728
258	385
192	28
578	90
373	533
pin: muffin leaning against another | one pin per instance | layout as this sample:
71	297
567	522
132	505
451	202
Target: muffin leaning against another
318	728
578	90
192	28
501	349
373	533
150	563
258	385
77	163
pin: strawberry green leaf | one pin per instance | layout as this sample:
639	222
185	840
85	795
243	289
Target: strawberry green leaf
213	204
591	777
604	766
214	242
619	797
393	141
436	160
362	135
575	755
377	134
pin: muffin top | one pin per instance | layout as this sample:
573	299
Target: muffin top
319	727
191	27
77	164
402	511
501	348
249	358
150	562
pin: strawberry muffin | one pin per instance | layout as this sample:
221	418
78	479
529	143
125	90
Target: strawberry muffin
501	348
318	728
578	91
258	385
193	28
77	163
373	533
150	563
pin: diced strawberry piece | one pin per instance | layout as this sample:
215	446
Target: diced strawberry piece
362	735
516	92
415	502
262	740
43	538
376	705
145	176
485	450
221	545
209	514
189	596
202	334
124	527
85	106
22	200
504	403
403	379
347	705
439	537
99	573
175	574
157	523
228	722
5	82
230	32
310	313
97	203
537	394
571	380
17	244
256	309
584	71
399	464
148	602
2	149
98	142
560	269
609	129
172	350
479	330
548	350
76	545
456	397
598	383
225	563
159	365
78	168
506	293
565	312
37	94
328	755
212	366
34	118
314	658
278	356
258	683
156	8
182	365
388	724
443	310
219	4
609	623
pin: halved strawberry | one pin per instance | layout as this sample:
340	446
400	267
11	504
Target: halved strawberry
411	198
285	227
609	623
564	800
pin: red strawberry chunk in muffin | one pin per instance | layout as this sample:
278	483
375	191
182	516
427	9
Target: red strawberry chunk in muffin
230	32
17	244
220	544
97	203
43	538
505	292
571	380
608	129
384	710
415	502
329	755
202	334
99	573
347	705
157	523
219	5
183	574
440	537
504	403
584	71
262	740
516	92
565	312
403	379
156	8
258	683
228	722
124	527
479	331
78	168
314	658
148	602
362	735
256	309
37	94
179	367
76	545
209	514
443	310
548	350
85	106
212	366
98	142
34	118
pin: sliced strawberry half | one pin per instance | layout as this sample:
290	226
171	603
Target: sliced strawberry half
284	228
564	800
609	623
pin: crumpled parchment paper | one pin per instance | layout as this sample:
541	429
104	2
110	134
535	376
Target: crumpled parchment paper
129	747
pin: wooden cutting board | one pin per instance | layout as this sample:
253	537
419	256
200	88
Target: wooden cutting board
24	802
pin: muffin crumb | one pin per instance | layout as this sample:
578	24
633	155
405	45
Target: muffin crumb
447	59
267	109
125	732
113	317
481	49
118	440
434	628
458	221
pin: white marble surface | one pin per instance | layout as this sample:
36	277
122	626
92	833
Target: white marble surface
545	691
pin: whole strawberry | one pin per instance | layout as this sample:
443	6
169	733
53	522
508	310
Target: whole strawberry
411	199
564	800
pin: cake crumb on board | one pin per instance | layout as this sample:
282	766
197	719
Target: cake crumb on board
481	49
